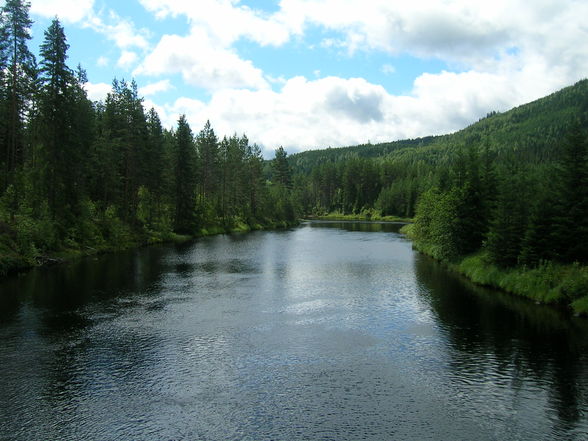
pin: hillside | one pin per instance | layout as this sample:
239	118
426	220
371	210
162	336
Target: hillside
530	131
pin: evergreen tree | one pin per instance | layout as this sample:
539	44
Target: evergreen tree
126	131
571	223
509	222
255	184
20	75
185	173
281	169
208	155
57	104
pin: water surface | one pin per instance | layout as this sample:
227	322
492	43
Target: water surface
331	331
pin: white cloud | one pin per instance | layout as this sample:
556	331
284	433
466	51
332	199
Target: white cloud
504	53
127	59
226	20
97	91
155	88
119	30
69	11
331	111
201	63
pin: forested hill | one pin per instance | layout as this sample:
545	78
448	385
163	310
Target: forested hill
530	131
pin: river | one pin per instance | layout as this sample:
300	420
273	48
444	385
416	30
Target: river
329	331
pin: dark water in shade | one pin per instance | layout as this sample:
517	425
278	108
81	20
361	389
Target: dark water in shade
331	331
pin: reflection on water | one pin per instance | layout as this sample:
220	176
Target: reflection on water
515	344
335	330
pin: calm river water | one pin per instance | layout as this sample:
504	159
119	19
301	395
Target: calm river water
330	331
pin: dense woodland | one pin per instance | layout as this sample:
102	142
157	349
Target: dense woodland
82	175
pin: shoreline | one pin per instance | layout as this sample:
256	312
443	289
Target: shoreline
369	217
556	285
15	264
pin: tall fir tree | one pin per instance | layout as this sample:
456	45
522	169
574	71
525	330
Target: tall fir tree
208	155
282	174
61	156
185	175
571	222
20	74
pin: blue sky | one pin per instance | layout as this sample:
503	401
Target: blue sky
317	73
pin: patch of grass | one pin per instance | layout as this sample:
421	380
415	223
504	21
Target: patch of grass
548	283
366	215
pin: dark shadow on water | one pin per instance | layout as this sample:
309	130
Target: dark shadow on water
504	332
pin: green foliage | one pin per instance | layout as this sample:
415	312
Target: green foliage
281	169
509	223
546	283
115	231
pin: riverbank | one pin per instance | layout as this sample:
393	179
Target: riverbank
549	283
15	259
366	215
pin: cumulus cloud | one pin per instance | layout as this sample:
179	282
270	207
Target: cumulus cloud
331	111
201	63
226	20
97	91
155	88
120	31
502	54
69	11
127	59
358	105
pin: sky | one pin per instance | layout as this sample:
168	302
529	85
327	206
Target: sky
308	74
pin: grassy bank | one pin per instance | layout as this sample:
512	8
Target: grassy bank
19	253
549	283
365	215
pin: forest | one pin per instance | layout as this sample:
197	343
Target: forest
505	200
79	177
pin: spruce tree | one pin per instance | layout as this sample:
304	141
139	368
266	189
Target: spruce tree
19	84
185	174
60	154
281	169
571	223
208	155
